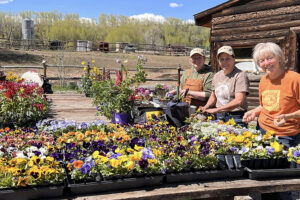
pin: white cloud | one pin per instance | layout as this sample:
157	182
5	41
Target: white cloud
175	5
148	16
190	21
5	2
86	19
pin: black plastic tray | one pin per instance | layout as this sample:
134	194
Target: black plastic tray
32	193
272	173
203	175
113	185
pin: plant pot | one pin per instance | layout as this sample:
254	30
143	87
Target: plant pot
121	118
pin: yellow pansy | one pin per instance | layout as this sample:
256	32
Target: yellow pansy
247	134
172	154
138	148
152	161
277	147
129	150
95	154
115	163
103	159
156	152
129	165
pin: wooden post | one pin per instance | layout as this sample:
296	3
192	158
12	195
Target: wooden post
88	69
178	81
45	68
103	74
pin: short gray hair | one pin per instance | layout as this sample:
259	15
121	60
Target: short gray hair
269	47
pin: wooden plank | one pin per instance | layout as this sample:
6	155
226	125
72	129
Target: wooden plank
202	190
255	15
79	78
254	28
266	5
204	17
19	67
259	21
251	43
252	35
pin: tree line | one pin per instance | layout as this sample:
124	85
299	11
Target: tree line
53	25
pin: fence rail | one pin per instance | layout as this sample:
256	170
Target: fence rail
253	99
122	47
45	67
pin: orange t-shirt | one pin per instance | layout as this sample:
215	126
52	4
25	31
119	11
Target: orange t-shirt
280	96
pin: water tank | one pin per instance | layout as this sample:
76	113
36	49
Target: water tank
82	45
28	33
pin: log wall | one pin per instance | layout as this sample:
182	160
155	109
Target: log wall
258	21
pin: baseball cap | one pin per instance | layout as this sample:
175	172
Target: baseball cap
197	51
226	49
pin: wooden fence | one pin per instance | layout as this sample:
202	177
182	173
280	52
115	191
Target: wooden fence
253	99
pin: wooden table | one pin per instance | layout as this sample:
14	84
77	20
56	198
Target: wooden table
203	190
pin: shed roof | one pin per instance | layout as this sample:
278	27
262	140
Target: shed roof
204	18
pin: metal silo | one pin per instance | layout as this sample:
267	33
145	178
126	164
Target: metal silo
27	33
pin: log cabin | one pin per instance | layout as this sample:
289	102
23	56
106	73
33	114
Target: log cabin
244	23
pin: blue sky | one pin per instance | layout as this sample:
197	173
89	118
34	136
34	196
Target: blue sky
181	9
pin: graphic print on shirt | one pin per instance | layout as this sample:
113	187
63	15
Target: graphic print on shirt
222	93
270	100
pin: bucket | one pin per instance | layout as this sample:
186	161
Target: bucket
121	118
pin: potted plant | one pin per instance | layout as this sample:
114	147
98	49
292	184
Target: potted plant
115	97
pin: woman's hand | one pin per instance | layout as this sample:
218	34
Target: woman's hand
249	116
212	110
204	108
280	120
182	92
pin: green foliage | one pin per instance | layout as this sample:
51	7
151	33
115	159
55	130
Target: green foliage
110	98
21	103
70	27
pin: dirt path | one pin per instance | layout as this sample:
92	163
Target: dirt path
72	106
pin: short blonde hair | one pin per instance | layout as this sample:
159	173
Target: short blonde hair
269	47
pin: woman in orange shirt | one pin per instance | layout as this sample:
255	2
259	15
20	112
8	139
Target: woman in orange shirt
279	96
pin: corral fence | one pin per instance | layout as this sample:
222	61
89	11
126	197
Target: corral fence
171	72
85	46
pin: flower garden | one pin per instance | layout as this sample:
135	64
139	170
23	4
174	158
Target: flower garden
97	157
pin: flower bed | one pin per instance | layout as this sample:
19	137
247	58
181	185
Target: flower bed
91	156
21	103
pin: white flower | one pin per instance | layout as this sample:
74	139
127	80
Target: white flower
43	150
32	148
10	149
284	152
221	138
30	154
258	138
20	154
33	77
